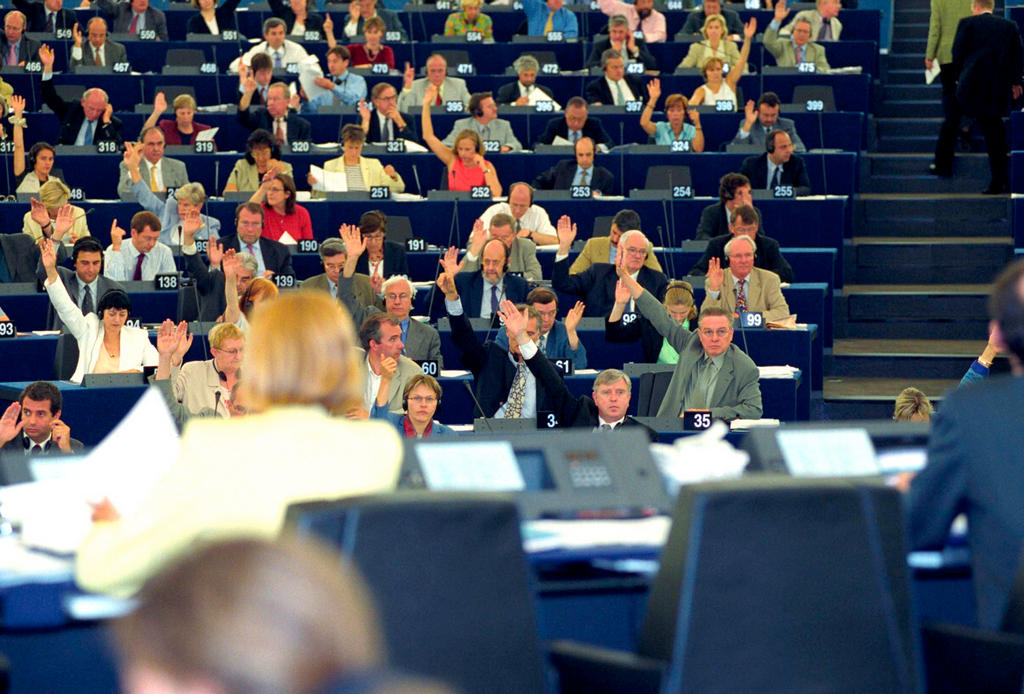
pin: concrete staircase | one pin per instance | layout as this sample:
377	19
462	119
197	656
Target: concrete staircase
924	249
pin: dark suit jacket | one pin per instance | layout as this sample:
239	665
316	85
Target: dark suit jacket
36	13
768	257
641	329
119	16
571	411
72	116
592	128
29	49
561	175
225	15
695	20
794	173
972	471
595	286
987	57
603	43
314	21
275	254
299	129
493	372
714	222
508	93
22	256
17	444
471	291
407	133
210	285
598	92
395	261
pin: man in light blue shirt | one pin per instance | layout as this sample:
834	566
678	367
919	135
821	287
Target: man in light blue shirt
547	16
346	88
144	257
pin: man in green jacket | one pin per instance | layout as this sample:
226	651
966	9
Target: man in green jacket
945	16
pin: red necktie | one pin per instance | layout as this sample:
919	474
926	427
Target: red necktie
138	268
438	101
132	29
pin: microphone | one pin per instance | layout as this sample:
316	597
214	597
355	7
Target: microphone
216	401
216	174
622	159
479	407
416	175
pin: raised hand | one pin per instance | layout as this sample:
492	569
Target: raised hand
780	12
750	113
353	11
47	254
184	341
328	25
105	511
159	103
377	283
229	265
450	263
430	96
76	33
61	435
714	275
572	318
566	231
447	286
166	338
364	110
694	115
190	225
654	90
65	220
354	243
749	29
214	252
515	322
46	57
17	104
477	237
622	295
38	213
132	155
408	76
11	422
117	235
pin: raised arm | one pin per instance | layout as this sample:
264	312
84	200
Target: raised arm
653	93
159	107
736	71
17	104
435	145
229	265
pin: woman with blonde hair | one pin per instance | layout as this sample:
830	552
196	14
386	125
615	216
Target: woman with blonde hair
717	85
236	477
469	19
361	173
204	387
42	215
714	45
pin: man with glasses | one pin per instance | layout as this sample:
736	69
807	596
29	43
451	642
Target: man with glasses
744	288
334	256
558	339
272	257
100	51
712	374
209	280
529	220
385	122
522	252
746	222
596	285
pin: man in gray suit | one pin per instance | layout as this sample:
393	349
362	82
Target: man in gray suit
100	51
712	373
825	25
158	172
381	337
334	256
485	122
420	341
20	258
134	17
86	284
413	90
522	252
764	118
801	49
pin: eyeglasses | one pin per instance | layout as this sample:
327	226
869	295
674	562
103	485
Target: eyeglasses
423	399
720	332
636	251
275	189
231	352
395	297
377	236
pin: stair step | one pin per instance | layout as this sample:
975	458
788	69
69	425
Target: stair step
908	127
910	109
906	143
912	15
908	348
874	398
915	163
912	30
908	76
914	92
966	329
912	302
938	255
865	358
906	61
925	183
909	45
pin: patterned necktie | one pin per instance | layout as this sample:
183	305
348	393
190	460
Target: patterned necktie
799	54
542	344
90	131
97	57
137	275
12	55
605	427
494	299
87	305
584	177
279	131
826	31
49	22
548	25
741	296
277	60
620	98
251	251
516	394
152	179
133	28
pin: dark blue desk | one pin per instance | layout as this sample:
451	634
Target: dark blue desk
28	311
780	398
96	174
